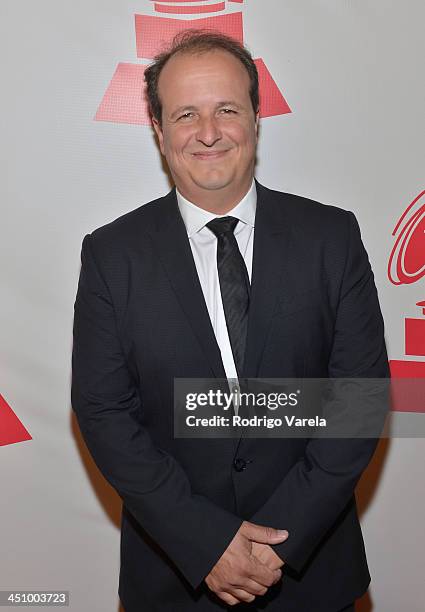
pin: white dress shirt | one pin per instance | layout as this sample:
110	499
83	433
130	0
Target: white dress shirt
203	243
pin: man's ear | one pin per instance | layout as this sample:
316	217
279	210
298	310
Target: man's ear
257	122
158	131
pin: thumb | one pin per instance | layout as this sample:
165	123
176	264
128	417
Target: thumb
263	535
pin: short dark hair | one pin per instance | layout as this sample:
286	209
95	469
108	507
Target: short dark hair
198	41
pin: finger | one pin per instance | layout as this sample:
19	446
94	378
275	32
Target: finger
267	556
262	574
227	598
242	595
251	586
264	535
278	575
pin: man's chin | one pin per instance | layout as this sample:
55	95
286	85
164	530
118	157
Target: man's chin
212	183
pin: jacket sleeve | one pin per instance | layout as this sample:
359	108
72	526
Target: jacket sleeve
191	530
315	491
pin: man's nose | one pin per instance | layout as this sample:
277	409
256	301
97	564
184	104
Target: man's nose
208	131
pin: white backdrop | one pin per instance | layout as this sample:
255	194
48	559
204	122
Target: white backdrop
352	74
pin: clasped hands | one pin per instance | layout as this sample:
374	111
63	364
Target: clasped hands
248	566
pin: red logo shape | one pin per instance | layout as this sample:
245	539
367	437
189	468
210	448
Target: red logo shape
406	266
407	259
124	100
11	428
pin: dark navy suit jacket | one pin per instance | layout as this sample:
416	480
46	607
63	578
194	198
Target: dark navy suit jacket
141	320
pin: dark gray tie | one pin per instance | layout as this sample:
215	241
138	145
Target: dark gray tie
234	285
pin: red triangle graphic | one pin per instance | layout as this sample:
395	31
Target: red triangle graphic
11	428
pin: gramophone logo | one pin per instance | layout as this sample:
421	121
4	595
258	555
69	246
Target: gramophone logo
124	100
11	428
405	267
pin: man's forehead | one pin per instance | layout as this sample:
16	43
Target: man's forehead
201	60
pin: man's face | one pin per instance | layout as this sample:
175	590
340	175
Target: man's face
209	129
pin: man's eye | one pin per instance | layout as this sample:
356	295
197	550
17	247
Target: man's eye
186	115
227	111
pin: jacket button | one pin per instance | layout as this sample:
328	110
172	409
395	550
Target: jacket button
240	464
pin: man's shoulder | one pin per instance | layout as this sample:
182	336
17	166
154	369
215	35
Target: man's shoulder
133	224
303	211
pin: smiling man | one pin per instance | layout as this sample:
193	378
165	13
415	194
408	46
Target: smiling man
223	278
207	128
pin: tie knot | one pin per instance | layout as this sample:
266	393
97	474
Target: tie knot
222	225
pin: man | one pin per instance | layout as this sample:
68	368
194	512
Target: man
223	278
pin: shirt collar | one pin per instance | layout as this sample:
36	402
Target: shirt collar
196	218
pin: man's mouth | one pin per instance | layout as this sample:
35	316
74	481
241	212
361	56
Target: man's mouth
209	155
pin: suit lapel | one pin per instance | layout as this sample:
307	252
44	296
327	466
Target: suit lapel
172	246
270	257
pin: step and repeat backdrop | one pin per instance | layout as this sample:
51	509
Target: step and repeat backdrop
342	122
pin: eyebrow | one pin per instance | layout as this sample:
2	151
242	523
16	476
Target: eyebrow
182	109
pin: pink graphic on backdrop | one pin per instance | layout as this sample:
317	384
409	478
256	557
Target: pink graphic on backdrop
151	36
189	10
124	100
407	266
11	428
271	100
